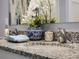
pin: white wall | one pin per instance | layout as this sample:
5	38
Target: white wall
75	10
64	10
3	15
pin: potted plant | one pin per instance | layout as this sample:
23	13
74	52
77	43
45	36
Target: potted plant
35	32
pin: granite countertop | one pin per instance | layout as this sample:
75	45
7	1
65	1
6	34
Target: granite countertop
42	50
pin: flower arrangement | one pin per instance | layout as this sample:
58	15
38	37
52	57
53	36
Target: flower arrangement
38	21
34	23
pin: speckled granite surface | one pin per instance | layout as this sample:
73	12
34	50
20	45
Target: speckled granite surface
72	36
42	50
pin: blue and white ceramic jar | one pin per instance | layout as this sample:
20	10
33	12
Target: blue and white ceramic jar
34	34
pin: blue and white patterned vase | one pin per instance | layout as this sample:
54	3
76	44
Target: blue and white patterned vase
34	34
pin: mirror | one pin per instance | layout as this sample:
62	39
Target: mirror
20	11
